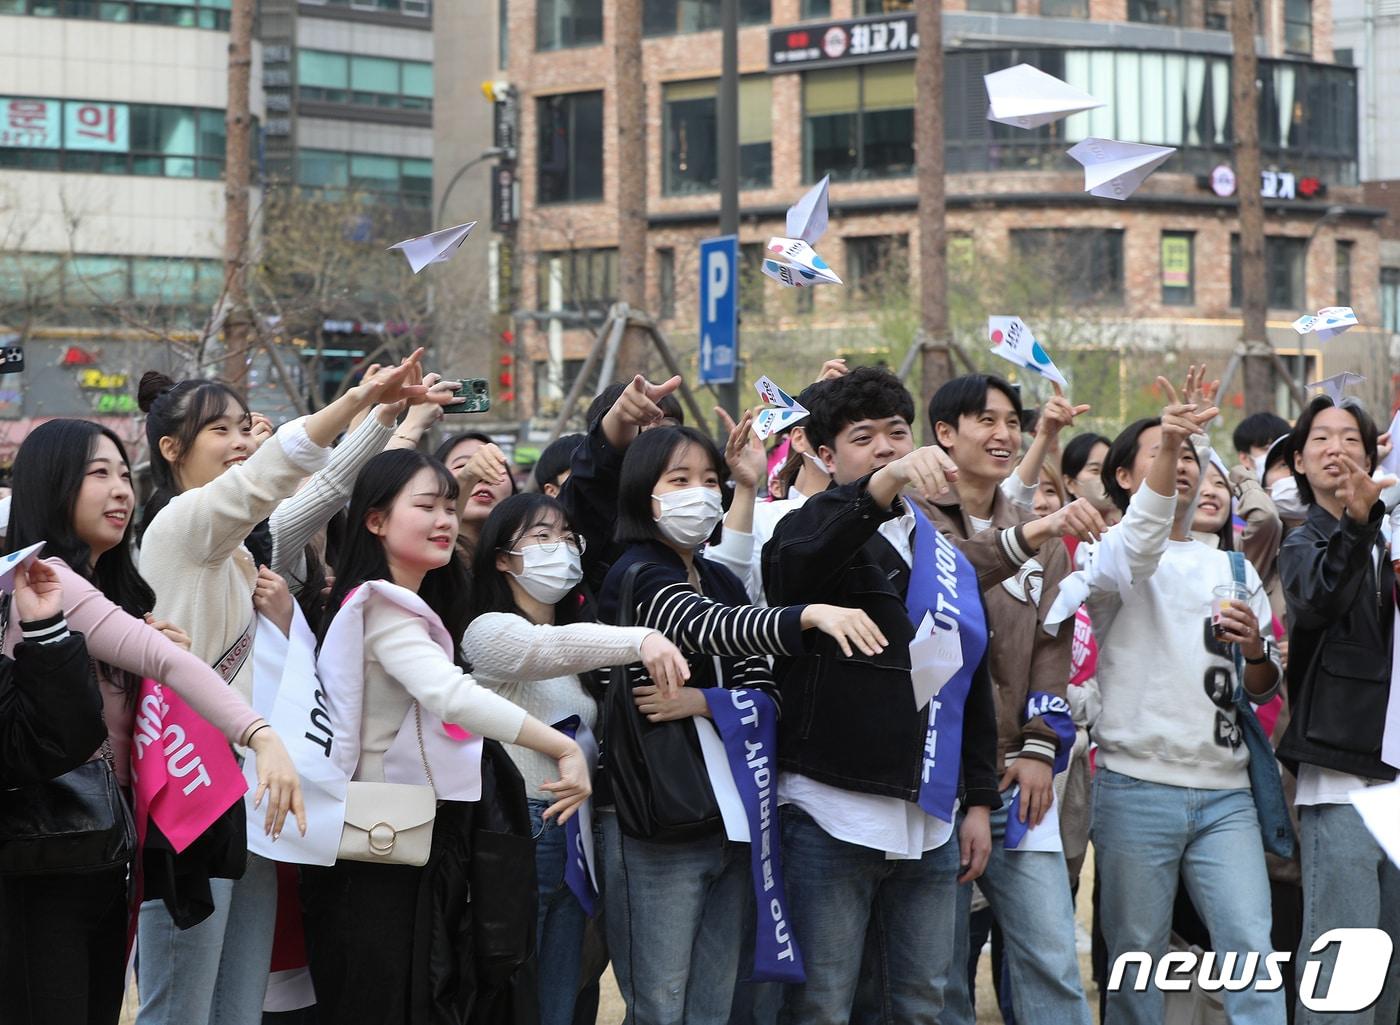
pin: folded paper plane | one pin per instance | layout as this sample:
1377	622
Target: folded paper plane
1336	385
1114	170
1013	341
1330	321
11	562
434	247
1026	97
788	410
791	260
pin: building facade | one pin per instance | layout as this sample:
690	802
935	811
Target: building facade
111	197
827	87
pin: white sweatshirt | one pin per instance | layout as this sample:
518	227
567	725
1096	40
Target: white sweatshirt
1167	687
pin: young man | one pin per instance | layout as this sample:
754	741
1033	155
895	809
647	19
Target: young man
1172	796
1340	587
977	421
552	468
1254	435
869	778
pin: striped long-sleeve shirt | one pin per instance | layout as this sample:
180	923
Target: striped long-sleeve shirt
726	640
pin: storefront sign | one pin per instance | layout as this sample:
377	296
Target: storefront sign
1272	184
853	41
1176	261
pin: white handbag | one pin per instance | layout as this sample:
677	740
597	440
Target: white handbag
390	823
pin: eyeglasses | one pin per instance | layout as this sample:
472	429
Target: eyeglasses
572	540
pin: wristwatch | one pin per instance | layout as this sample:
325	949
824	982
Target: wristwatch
1267	656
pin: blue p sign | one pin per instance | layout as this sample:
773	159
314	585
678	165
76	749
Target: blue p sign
719	310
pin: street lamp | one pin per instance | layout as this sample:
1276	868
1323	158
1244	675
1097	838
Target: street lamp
490	154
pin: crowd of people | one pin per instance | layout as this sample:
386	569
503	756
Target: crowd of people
780	731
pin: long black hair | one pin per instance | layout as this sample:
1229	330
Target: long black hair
48	473
178	411
510	519
361	557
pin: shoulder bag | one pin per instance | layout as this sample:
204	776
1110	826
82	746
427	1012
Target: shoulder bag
390	823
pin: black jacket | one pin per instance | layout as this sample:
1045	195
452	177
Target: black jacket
589	497
50	707
848	722
1340	588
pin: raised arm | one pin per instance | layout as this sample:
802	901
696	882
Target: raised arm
504	647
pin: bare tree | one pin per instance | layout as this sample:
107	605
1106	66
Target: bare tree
1257	351
630	169
238	170
936	359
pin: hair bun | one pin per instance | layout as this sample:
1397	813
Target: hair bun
153	385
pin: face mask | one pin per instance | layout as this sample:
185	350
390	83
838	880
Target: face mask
820	466
1284	492
548	576
689	517
1258	464
1092	489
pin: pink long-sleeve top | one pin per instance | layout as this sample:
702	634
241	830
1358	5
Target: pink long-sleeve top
117	639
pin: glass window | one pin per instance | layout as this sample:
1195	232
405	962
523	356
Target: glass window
666	282
666	17
1064	8
416	182
1285	272
577	281
211	14
993	6
570	147
323	76
1390	299
94	279
1297	27
1344	273
562	23
374	81
418	79
30	277
859	122
163	282
691	134
1083	265
364	81
816	8
751	288
862	7
1155	12
877	266
1178	268
323	169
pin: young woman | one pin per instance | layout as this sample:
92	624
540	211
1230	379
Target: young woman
1081	466
365	934
74	492
672	908
219	472
1172	792
1049	492
528	642
482	489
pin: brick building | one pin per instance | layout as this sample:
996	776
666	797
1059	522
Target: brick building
827	87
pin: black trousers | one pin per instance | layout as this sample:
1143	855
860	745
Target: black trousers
63	948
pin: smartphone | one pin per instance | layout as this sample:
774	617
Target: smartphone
473	396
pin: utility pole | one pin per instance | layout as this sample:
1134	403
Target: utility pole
728	154
630	173
1257	352
238	170
933	335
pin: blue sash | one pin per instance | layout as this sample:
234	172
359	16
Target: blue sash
1055	712
576	874
942	583
747	723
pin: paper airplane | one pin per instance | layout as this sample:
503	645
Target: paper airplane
1330	321
1013	341
1335	385
1379	808
434	247
1390	465
1114	170
1026	97
11	562
792	261
935	656
770	421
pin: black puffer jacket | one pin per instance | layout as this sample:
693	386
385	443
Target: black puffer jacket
50	707
1340	588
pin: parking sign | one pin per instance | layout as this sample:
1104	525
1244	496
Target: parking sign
719	308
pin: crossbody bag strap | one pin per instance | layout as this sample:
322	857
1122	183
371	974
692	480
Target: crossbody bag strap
422	751
627	615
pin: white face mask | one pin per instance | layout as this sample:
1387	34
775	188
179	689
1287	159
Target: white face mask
1284	492
549	575
688	517
821	466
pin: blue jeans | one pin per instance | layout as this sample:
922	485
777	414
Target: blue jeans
675	914
1029	894
559	931
839	892
1348	882
1146	836
217	971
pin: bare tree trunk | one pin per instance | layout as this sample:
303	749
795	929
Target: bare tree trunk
1254	299
936	364
630	173
238	168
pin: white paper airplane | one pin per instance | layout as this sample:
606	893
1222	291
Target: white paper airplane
434	247
791	260
935	656
1114	170
1026	97
1379	808
1013	341
787	413
1390	466
1335	385
11	562
1330	321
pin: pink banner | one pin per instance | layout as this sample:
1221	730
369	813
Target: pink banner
182	770
1084	656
